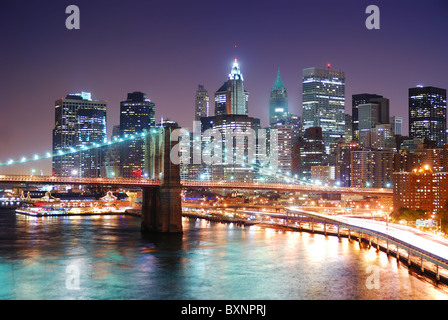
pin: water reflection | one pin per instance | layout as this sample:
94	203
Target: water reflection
208	261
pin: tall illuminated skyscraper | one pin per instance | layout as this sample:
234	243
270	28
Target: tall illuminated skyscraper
231	97
137	113
427	114
202	103
236	167
278	101
324	102
80	123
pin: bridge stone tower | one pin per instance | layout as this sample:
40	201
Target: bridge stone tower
161	206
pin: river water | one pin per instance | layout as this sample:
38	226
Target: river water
107	257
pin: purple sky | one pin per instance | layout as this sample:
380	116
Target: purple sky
166	48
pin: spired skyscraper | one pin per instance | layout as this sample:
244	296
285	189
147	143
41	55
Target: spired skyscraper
427	114
202	103
278	101
80	123
232	98
324	102
230	125
137	114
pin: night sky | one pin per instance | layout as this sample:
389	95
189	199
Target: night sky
166	48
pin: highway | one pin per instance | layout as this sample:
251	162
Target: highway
426	241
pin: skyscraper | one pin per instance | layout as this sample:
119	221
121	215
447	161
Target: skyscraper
358	99
374	112
288	133
234	162
202	103
278	101
427	114
312	151
231	97
324	102
80	123
137	113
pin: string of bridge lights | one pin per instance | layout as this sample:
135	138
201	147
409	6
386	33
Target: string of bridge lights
72	150
129	137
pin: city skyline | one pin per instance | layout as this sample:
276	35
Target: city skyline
180	56
238	150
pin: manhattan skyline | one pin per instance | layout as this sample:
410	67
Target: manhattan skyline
166	49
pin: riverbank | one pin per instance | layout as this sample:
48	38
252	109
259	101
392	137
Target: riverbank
413	264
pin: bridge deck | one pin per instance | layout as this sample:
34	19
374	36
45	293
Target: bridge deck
141	182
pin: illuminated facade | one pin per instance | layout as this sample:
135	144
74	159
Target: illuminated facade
288	133
427	114
381	137
343	154
325	174
80	123
324	102
231	97
237	166
137	114
371	168
421	189
278	101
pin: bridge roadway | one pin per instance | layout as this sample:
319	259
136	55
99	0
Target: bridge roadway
144	182
421	244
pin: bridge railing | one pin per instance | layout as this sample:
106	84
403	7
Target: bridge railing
190	183
279	186
52	179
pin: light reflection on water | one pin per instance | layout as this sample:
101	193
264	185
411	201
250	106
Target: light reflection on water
208	261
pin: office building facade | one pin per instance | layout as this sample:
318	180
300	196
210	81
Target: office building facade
358	99
397	125
427	114
311	150
80	124
228	148
324	102
421	189
371	168
137	115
